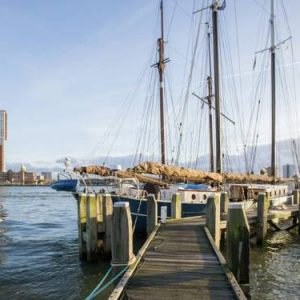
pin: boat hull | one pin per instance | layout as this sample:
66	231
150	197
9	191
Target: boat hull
138	208
65	185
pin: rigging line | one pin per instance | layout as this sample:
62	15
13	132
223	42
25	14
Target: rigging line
258	84
172	18
238	51
188	87
109	129
262	7
293	57
189	45
147	105
182	8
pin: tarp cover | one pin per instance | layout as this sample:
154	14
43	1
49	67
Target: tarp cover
174	173
197	175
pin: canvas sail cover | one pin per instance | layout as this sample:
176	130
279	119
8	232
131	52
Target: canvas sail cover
173	173
105	172
197	175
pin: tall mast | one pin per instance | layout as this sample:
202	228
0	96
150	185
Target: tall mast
215	7
273	91
161	67
209	100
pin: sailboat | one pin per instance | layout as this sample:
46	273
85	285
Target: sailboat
194	186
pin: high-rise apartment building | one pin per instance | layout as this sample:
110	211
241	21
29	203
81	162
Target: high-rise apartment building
3	138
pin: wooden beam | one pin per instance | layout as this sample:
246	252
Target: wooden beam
262	218
122	236
81	212
213	218
91	227
176	206
238	242
151	213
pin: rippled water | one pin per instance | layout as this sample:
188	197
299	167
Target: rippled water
275	268
39	246
39	252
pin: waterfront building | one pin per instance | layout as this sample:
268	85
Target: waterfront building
3	138
288	170
47	176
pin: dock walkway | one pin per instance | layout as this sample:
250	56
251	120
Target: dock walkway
181	262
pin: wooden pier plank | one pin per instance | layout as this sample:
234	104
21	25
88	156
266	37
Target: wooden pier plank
180	263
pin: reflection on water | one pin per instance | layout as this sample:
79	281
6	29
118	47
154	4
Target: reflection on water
275	268
39	252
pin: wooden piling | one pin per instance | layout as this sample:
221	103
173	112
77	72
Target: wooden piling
213	218
81	212
224	202
91	227
296	197
107	209
122	235
176	206
238	242
151	213
262	218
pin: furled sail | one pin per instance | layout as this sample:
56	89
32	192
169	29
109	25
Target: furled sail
174	173
106	172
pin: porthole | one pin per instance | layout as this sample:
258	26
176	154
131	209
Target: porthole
193	196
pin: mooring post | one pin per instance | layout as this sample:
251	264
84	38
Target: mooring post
91	226
238	242
176	206
296	197
213	218
262	218
151	213
224	202
99	200
81	212
122	236
107	209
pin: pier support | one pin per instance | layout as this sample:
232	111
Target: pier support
107	209
224	202
122	235
213	218
296	197
238	242
81	212
91	227
262	218
151	213
176	206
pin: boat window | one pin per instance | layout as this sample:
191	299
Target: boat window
193	196
204	197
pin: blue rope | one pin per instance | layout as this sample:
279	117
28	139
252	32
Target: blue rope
99	284
97	291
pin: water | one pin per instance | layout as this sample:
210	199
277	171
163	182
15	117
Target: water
275	268
39	256
39	252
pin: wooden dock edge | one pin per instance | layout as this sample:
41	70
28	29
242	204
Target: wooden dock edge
234	284
201	218
117	292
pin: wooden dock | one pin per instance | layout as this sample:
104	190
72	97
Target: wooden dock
181	257
180	262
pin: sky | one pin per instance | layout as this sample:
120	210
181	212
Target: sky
68	68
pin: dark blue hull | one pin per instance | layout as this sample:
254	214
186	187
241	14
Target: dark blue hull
65	185
138	210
